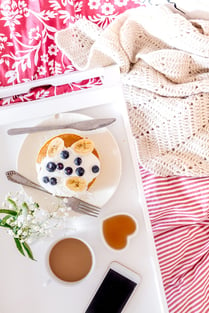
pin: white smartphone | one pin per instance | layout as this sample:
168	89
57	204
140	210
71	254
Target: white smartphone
115	290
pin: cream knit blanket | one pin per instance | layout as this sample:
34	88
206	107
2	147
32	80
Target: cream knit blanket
164	62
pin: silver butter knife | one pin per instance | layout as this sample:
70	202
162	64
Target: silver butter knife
86	125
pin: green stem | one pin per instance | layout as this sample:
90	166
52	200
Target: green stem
19	246
13	203
28	250
7	211
2	224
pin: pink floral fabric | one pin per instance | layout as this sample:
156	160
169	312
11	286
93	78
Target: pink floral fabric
27	47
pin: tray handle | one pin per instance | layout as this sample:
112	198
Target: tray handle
107	75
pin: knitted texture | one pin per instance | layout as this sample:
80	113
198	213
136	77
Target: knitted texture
164	62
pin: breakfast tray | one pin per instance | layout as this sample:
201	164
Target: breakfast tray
24	284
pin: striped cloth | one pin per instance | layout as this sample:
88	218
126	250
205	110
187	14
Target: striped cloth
178	208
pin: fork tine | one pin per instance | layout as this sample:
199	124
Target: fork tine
82	206
81	210
86	209
89	207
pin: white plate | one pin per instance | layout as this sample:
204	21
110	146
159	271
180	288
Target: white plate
110	158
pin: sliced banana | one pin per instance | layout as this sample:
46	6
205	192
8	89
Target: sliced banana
76	183
83	146
55	146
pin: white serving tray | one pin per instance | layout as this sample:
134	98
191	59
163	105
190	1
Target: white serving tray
24	287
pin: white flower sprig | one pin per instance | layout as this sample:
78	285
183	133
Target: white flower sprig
25	221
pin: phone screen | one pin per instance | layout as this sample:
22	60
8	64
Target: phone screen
112	294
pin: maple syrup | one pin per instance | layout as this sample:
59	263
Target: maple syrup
116	230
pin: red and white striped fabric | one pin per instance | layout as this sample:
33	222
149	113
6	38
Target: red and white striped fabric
178	208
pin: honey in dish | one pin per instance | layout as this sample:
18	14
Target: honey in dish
116	230
70	259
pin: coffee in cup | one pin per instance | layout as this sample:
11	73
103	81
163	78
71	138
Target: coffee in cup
70	260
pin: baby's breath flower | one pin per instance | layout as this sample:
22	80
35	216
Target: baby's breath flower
19	232
29	217
11	233
26	221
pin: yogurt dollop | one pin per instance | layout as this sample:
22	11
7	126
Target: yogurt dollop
67	172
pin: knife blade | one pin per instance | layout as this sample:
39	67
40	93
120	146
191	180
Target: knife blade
85	125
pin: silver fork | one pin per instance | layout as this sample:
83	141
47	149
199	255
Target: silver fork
76	204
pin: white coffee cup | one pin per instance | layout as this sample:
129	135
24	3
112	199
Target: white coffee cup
69	260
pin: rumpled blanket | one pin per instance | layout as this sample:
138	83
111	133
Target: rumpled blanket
164	62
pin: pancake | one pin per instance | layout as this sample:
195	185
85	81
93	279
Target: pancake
67	164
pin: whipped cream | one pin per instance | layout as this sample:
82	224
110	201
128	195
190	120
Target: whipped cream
53	172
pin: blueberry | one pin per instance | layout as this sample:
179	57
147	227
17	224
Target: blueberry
51	166
53	181
80	171
77	161
68	170
95	169
60	166
64	154
45	179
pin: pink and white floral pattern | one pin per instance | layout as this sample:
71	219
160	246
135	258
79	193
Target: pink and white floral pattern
27	47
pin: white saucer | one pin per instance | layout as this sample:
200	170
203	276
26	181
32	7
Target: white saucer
110	158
